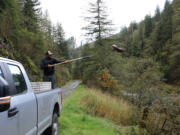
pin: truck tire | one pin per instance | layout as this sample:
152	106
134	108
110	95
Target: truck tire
54	128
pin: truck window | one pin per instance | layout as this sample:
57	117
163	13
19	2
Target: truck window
18	79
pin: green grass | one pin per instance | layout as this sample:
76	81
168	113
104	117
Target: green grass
75	121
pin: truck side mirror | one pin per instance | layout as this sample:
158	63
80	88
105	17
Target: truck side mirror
4	92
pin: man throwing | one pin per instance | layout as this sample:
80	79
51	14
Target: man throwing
48	68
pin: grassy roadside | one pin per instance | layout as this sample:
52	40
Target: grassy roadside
75	121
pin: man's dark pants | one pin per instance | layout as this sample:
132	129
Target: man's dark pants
50	78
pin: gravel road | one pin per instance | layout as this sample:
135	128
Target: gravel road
67	90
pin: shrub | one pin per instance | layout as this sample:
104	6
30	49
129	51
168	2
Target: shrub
105	105
107	82
141	77
164	117
62	76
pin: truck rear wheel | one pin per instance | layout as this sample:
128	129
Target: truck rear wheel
54	128
55	125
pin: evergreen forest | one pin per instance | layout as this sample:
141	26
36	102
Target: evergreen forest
146	74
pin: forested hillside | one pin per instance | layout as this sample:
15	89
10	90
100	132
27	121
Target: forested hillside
26	34
156	37
147	74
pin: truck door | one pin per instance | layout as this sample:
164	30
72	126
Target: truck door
9	120
23	100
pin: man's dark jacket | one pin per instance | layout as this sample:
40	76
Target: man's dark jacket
44	65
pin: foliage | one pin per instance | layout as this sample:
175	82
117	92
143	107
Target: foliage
163	117
26	34
104	105
150	60
148	26
63	76
30	12
141	77
74	121
98	25
107	82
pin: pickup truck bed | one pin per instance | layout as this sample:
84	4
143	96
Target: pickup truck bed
47	102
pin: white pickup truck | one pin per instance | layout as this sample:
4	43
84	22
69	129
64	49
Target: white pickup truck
22	110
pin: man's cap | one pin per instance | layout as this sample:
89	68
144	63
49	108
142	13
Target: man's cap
49	53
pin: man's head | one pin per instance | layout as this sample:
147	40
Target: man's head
49	54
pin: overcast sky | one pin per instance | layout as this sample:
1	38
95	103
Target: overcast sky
69	13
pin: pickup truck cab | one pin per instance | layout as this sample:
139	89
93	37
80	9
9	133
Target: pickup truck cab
23	111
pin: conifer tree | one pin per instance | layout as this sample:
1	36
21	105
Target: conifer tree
148	25
174	55
163	31
157	14
99	25
30	12
167	22
59	36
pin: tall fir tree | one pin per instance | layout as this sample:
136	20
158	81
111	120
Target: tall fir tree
30	12
174	55
167	22
148	25
157	14
60	41
98	25
163	31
